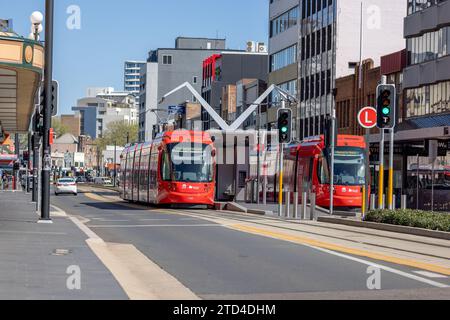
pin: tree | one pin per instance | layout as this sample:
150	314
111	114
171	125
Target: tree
58	128
117	133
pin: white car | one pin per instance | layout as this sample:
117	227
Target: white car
66	186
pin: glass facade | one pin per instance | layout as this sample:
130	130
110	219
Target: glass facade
283	58
428	100
419	5
284	22
429	46
316	67
290	86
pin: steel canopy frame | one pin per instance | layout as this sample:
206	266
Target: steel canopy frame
217	118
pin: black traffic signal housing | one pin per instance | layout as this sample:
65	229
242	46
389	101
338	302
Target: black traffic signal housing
386	106
285	126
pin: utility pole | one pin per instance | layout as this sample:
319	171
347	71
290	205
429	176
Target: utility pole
48	77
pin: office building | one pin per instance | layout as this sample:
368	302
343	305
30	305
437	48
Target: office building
226	68
132	71
96	113
321	39
166	69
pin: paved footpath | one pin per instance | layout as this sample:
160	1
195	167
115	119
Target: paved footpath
35	258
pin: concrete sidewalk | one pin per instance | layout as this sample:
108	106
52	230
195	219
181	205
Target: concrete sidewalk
37	260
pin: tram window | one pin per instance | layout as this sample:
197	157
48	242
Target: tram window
323	172
165	167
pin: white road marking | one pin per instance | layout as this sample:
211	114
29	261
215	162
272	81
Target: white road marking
155	225
382	267
431	275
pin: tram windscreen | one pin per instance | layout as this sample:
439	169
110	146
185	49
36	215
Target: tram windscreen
350	166
189	162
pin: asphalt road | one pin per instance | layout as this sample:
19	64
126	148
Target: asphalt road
216	262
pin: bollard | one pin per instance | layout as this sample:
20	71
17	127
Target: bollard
264	187
404	201
288	204
295	205
312	216
373	201
304	205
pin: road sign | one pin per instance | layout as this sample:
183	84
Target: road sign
367	118
181	110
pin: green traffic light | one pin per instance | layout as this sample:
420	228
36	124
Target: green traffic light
386	111
284	129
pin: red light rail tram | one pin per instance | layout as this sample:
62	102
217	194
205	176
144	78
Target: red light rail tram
176	169
307	167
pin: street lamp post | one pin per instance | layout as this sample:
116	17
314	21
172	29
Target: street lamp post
48	76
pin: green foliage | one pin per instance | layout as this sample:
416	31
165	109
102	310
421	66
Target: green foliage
411	218
58	128
117	132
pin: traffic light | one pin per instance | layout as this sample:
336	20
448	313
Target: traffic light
285	126
386	105
55	89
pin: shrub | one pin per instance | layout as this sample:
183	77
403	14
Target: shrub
411	218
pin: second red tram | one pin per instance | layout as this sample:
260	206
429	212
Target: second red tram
307	167
177	168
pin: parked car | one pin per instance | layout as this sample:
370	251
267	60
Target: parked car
66	186
102	181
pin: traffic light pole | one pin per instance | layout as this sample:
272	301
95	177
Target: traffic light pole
381	174
48	77
390	196
281	173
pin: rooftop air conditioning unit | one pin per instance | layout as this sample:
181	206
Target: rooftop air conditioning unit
262	48
251	46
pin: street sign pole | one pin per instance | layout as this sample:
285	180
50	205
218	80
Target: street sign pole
367	119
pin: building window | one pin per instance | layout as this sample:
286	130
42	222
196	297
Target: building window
167	59
283	58
429	46
284	22
428	100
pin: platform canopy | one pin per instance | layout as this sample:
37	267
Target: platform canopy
21	69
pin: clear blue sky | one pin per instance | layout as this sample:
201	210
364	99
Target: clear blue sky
113	31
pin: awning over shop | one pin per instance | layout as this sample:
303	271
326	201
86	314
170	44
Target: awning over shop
21	67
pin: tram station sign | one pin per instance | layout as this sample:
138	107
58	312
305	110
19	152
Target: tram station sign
179	110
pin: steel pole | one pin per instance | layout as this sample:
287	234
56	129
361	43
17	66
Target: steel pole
333	146
258	182
115	161
391	171
280	190
381	174
48	76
